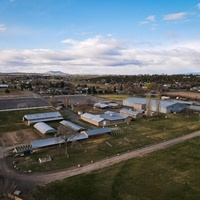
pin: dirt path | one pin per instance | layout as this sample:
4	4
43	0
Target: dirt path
41	179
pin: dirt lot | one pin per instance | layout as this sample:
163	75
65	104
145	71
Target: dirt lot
188	95
18	137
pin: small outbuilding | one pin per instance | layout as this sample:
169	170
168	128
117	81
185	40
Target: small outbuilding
44	128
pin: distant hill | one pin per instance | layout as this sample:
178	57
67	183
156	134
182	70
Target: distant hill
55	73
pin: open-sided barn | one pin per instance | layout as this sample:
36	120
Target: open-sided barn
56	140
96	133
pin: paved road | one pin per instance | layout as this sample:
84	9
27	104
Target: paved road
45	178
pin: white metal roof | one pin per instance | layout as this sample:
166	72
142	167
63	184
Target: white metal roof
129	111
92	117
44	128
71	125
56	140
38	116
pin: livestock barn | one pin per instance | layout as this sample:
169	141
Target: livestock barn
71	125
42	117
96	133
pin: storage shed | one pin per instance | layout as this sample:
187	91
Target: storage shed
44	128
42	117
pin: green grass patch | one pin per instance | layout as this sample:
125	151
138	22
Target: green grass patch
114	97
12	120
172	174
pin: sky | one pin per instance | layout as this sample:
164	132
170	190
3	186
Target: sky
100	36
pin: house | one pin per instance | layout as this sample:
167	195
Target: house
96	133
132	113
44	128
106	119
42	117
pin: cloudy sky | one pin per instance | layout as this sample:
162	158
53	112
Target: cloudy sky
100	36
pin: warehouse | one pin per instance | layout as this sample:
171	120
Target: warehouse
42	117
106	119
44	128
71	125
132	113
164	106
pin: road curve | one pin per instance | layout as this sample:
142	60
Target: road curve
44	178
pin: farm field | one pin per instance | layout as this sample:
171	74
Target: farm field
172	174
137	134
189	95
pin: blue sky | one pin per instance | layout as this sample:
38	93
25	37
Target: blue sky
100	36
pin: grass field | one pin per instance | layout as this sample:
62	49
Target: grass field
114	97
138	134
170	174
12	120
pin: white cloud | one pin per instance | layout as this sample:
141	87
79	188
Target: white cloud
175	16
198	5
99	55
2	28
151	18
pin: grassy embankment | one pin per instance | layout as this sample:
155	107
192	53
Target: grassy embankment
168	174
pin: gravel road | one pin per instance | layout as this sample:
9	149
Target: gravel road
44	178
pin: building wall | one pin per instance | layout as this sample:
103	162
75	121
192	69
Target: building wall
139	106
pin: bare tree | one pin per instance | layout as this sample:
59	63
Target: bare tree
66	135
66	101
53	101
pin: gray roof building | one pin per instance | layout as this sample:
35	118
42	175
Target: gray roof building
95	132
42	117
56	140
164	106
71	125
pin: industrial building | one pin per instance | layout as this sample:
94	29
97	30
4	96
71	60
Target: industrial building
42	117
44	128
164	106
106	119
